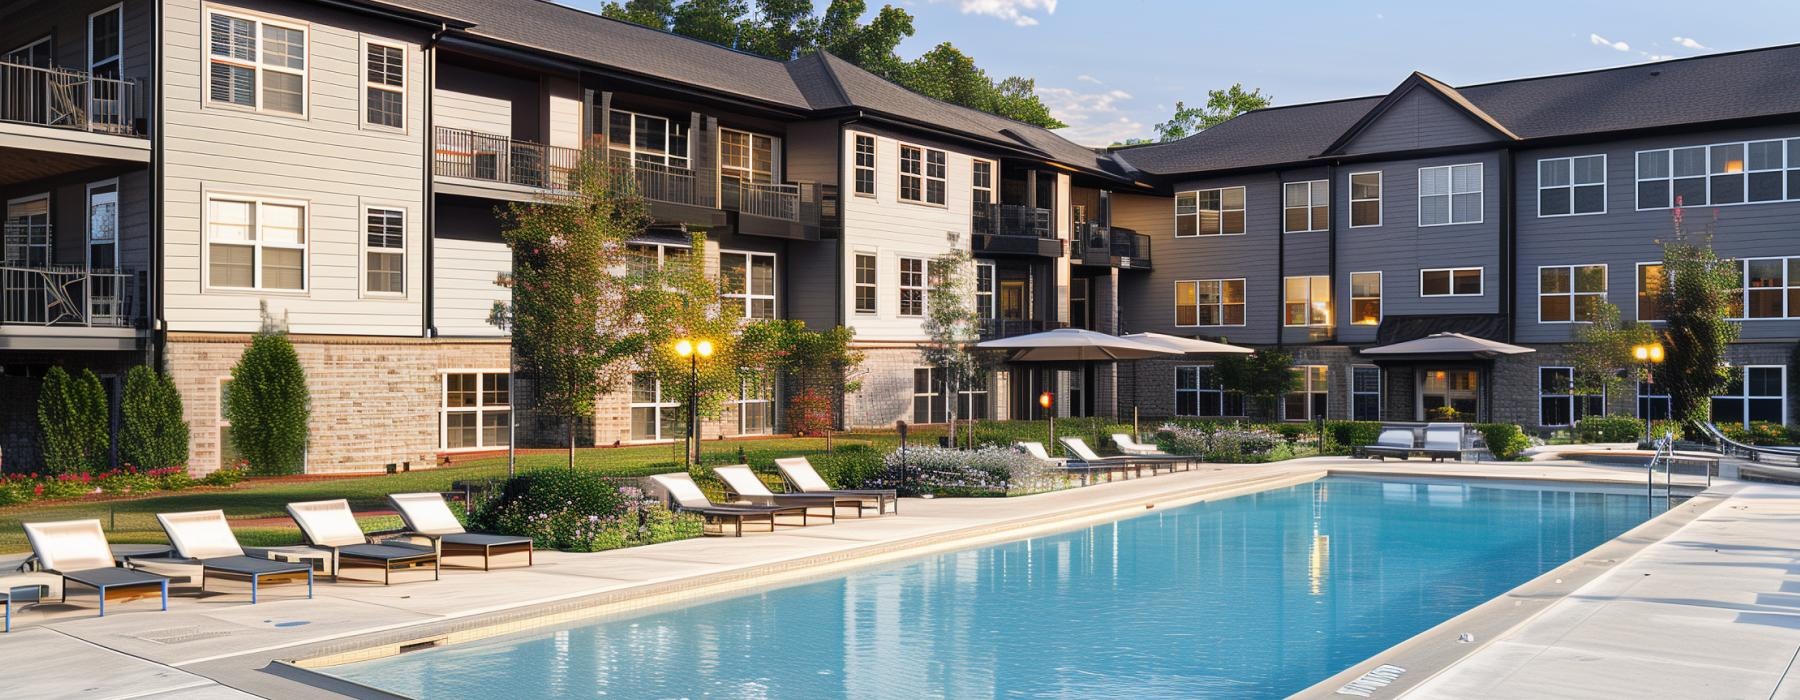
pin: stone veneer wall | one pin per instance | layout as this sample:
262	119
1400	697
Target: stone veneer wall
887	388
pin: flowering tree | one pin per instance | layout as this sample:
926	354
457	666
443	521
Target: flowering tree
1699	290
816	364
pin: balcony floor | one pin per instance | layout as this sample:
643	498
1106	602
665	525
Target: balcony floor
31	152
69	338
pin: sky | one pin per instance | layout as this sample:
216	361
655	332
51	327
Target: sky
1112	69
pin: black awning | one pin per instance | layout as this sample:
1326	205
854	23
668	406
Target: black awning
1399	329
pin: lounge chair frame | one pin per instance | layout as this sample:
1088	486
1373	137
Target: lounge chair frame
363	553
110	581
717	515
448	537
219	555
796	470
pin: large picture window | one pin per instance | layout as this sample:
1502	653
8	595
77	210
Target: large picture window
1214	212
1450	194
255	244
1768	288
643	139
1570	293
1306	301
1756	393
1209	303
477	410
747	156
1310	400
256	63
1572	186
1721	174
1558	402
654	414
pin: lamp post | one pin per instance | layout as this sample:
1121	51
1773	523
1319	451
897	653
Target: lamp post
693	350
1648	355
1044	401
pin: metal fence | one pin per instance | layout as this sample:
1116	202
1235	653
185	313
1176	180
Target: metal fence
68	99
479	156
67	296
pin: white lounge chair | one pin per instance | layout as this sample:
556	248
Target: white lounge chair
330	526
745	488
685	495
1133	448
799	471
427	515
76	550
205	539
1081	454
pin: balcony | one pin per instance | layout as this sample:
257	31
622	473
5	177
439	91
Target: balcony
1011	229
69	308
68	99
1123	248
798	211
996	328
478	164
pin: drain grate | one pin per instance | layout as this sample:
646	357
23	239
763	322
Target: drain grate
179	635
1372	681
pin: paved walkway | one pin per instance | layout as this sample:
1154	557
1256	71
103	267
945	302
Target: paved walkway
207	647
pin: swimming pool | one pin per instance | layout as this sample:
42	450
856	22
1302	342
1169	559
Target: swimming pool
1256	596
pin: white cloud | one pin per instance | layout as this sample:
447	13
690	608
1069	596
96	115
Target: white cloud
1688	42
1094	118
1598	40
1657	57
1088	79
1010	10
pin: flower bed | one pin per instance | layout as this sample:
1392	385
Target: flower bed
1226	442
985	471
26	488
578	511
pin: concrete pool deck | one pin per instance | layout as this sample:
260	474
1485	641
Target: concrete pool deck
219	646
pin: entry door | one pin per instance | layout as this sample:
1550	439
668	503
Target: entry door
1457	388
1012	300
1079	308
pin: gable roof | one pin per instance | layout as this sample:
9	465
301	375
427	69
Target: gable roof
1416	82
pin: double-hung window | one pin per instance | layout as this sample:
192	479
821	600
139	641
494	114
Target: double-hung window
912	286
256	63
1571	186
1755	393
1307	301
922	173
655	415
1199	393
1450	194
106	59
1570	293
255	244
863	168
748	280
928	398
647	140
866	279
1215	212
1306	206
1310	399
1650	281
1558	402
984	290
747	156
385	256
1450	282
1365	199
1365	393
384	86
1209	303
1768	288
756	405
477	410
1365	298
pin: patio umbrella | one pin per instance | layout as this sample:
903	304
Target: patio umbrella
1442	344
1178	344
1075	345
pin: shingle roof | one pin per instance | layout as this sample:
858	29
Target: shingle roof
1262	137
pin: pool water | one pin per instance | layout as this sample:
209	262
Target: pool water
1255	596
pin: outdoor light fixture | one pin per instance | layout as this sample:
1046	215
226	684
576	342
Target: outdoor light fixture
1044	402
1648	355
693	350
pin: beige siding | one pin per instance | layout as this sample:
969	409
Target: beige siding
564	112
452	109
326	159
464	291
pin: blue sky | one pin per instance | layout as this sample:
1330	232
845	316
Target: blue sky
1113	68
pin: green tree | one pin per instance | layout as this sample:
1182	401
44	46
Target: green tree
655	14
1220	106
574	322
152	434
952	327
817	366
1699	290
269	406
1262	377
717	21
948	74
1603	348
780	29
684	301
872	46
72	422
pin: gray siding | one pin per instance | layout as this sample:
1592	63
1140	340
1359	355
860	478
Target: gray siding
1250	256
812	152
1305	254
810	271
1421	119
66	23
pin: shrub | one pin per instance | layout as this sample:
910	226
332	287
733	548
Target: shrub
848	466
1008	433
64	486
225	476
72	422
1353	433
125	480
581	511
984	471
810	412
152	433
1760	433
1505	440
1610	429
1293	432
1224	442
173	478
1443	414
267	406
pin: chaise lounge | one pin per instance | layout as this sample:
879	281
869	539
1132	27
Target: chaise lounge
427	515
1085	456
1394	441
1133	448
742	486
685	495
330	526
76	551
204	538
800	473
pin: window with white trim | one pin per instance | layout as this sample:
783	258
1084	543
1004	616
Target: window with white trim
1214	212
1558	402
1768	288
1653	400
1365	298
867	277
1199	393
1756	393
1650	281
1450	194
1450	282
1365	393
385	252
477	410
1365	199
1311	398
972	401
256	63
1306	206
1570	293
1209	303
1572	186
922	174
984	290
384	86
106	59
863	167
1306	301
747	156
645	139
982	182
655	415
749	279
912	286
1744	172
756	405
255	244
644	259
928	403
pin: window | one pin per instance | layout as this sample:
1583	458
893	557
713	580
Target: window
1558	404
643	139
106	34
386	253
927	393
1450	194
1718	174
756	406
1570	293
384	86
1209	303
35	54
646	258
1198	393
654	414
865	283
1306	206
1650	280
863	170
912	286
921	175
1306	301
1365	393
1450	282
1365	199
1079	308
255	244
477	410
256	63
1217	212
1653	401
748	157
982	183
1571	186
1308	402
1365	298
748	279
1755	393
1770	288
103	230
984	290
972	401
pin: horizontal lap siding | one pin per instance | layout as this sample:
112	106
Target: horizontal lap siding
327	159
1252	256
1421	119
1306	254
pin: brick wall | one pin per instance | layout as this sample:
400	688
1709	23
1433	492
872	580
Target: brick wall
887	388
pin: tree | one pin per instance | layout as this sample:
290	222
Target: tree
574	320
683	301
152	433
1220	106
948	74
871	46
72	422
952	328
1262	377
1698	291
655	14
269	407
716	21
816	365
780	29
1604	347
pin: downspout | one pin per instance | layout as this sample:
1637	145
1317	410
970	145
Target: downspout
1280	257
1331	261
1509	244
428	318
159	334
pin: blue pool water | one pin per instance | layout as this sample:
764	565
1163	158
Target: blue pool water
1256	596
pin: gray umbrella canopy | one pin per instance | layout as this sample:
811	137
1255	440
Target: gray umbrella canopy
1187	346
1075	345
1448	344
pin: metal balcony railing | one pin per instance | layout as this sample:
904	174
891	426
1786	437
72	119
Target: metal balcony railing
668	183
995	328
493	158
68	296
68	99
1094	244
1012	220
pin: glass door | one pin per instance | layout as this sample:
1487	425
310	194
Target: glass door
1460	389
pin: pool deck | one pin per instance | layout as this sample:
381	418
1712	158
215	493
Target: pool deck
1714	609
